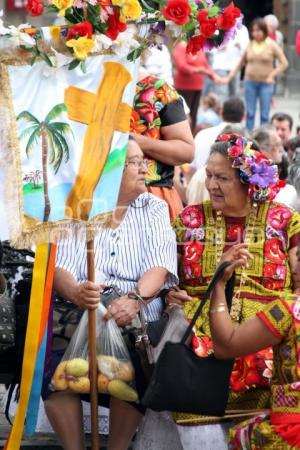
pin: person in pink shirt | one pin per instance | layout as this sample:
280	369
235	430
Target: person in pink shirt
297	43
189	76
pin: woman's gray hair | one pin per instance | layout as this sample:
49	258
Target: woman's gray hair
294	171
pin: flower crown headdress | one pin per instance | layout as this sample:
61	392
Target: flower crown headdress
255	168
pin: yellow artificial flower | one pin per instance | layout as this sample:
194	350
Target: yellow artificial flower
55	32
130	9
81	46
62	5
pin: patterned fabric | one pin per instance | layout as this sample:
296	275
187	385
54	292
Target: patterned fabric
156	104
277	229
281	428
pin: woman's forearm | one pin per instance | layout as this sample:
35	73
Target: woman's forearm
171	150
65	284
221	325
152	282
230	340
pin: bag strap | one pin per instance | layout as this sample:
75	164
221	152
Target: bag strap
219	272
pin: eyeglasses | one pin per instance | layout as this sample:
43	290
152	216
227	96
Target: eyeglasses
137	163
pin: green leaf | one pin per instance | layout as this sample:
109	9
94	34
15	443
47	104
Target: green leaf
74	64
27	132
136	53
62	127
28	117
27	49
51	8
213	11
32	141
83	66
46	59
32	61
55	112
159	83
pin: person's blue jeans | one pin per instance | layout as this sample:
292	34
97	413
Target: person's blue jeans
255	90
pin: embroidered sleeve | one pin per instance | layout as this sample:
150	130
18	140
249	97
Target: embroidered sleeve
293	230
276	317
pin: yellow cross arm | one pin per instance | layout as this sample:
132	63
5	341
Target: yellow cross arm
80	104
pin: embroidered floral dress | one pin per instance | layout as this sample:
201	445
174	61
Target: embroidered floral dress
279	430
275	232
156	104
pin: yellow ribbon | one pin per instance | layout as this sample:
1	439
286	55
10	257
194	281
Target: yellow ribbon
31	344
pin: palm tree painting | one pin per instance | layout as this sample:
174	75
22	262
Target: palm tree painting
55	148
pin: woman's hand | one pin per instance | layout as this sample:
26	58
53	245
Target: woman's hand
270	79
238	255
177	297
87	295
123	310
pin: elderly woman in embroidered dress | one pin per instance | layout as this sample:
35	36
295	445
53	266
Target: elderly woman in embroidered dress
241	183
136	251
277	324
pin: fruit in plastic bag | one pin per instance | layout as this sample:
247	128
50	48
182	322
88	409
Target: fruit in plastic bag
125	372
59	378
80	384
108	366
122	391
102	384
78	367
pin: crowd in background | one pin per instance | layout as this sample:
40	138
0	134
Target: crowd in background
223	87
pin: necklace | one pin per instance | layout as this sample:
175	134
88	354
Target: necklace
220	237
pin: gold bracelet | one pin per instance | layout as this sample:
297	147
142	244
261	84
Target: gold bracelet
218	309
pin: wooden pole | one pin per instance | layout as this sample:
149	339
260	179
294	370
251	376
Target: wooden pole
93	352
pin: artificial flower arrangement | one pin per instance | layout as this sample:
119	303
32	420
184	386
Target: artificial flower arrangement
255	168
94	25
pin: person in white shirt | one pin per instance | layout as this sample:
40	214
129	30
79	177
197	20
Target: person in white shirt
158	62
135	251
233	112
196	191
225	58
270	143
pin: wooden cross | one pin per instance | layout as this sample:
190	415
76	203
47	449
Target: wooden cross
104	113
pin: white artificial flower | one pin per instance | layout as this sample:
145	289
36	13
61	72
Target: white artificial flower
59	61
124	43
102	42
16	35
175	30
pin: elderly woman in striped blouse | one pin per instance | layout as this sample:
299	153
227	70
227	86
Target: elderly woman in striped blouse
137	251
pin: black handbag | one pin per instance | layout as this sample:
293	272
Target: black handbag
184	382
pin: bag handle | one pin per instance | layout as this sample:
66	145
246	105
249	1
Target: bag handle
219	272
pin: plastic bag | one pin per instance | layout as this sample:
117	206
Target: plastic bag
115	370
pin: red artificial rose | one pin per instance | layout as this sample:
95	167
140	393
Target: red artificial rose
269	270
192	217
115	26
208	27
178	11
202	15
274	251
228	18
80	29
195	44
34	7
193	252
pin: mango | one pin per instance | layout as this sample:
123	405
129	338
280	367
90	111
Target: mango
81	385
78	367
122	391
59	378
125	372
102	384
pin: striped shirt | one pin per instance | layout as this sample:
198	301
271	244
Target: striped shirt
143	240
